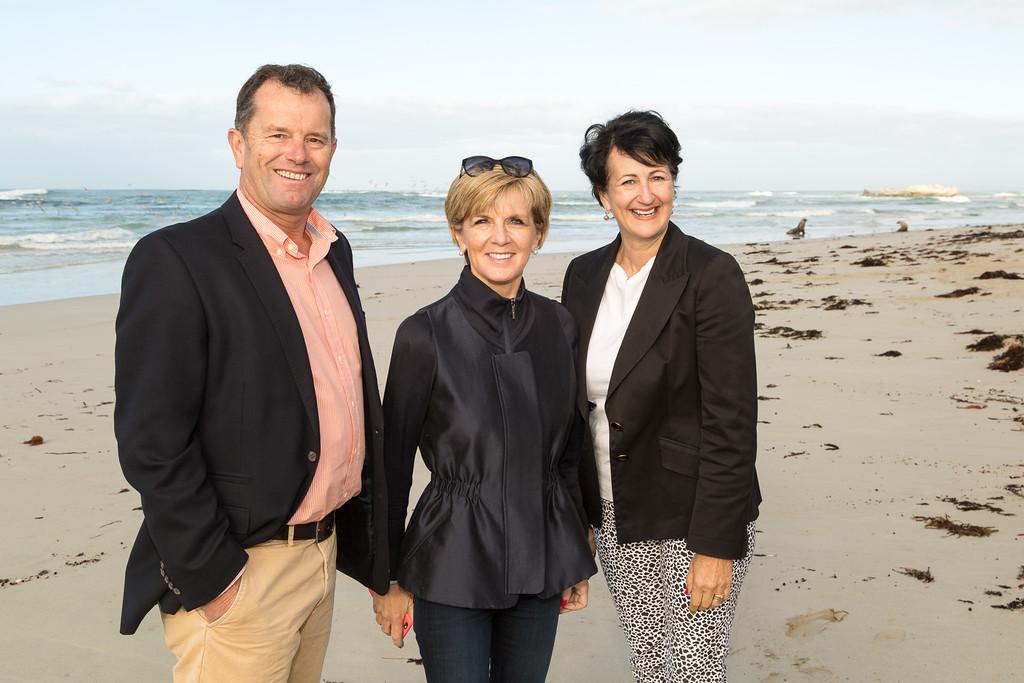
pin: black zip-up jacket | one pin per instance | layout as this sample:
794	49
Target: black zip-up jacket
485	387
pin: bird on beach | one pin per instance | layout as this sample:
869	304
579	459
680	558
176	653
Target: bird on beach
903	226
798	231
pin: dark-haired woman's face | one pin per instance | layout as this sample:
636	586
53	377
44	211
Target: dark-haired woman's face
639	196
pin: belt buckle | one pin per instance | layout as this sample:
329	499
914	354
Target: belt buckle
323	528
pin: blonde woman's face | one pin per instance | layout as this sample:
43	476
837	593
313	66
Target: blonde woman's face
498	242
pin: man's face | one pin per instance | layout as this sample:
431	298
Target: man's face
285	151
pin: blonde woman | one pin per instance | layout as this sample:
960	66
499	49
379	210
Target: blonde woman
482	382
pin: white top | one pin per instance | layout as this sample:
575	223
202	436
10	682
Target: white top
621	295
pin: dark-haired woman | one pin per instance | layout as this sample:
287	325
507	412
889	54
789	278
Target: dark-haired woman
666	368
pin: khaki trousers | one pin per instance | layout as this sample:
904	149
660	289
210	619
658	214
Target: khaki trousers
276	630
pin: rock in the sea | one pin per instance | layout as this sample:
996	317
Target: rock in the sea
914	191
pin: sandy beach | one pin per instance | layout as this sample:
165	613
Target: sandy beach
891	540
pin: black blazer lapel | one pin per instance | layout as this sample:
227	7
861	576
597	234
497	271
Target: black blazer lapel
346	278
591	277
267	281
661	294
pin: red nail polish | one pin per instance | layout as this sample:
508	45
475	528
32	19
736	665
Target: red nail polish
564	602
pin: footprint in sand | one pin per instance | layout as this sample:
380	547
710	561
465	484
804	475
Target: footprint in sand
813	623
804	672
895	634
815	673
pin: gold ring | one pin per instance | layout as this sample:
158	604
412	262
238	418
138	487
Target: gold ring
719	597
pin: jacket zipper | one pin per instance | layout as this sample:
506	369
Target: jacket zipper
512	301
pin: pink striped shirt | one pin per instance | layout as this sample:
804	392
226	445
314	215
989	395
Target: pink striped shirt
329	330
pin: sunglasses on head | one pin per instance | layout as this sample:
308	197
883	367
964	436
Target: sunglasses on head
517	167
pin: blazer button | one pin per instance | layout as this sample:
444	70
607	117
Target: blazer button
622	456
617	426
312	456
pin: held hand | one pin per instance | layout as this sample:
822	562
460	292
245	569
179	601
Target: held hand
591	541
216	608
709	582
575	597
392	611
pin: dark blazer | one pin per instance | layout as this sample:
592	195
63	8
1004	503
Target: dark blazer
490	400
216	418
682	400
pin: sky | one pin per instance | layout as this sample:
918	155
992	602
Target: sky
801	94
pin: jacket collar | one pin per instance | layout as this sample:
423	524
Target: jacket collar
660	296
491	314
256	261
664	286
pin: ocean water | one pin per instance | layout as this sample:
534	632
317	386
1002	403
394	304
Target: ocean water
63	243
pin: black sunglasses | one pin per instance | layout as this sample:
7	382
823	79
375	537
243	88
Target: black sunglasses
517	167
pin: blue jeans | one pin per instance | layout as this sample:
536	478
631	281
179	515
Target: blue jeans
461	645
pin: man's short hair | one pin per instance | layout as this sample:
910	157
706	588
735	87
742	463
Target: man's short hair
304	79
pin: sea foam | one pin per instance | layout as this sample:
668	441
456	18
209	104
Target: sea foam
13	195
730	204
36	240
416	218
791	214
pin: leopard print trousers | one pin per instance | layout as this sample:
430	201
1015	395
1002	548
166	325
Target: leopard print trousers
667	644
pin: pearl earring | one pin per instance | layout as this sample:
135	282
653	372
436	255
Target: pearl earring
607	215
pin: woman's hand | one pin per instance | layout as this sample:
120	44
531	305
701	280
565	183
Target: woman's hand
591	541
391	611
709	582
575	597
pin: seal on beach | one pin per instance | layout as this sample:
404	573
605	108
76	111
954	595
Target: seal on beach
903	226
798	231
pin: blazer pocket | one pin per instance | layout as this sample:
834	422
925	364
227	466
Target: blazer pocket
238	519
232	489
679	457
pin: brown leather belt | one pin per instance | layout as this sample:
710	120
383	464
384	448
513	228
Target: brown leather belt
303	532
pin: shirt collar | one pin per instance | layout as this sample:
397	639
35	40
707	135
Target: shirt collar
318	227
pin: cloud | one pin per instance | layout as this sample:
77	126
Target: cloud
104	135
808	146
732	12
107	136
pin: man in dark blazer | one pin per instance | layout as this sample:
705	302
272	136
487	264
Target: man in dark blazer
248	415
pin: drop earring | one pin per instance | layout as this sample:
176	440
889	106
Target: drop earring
607	215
